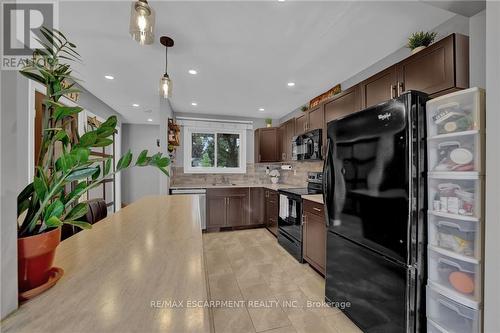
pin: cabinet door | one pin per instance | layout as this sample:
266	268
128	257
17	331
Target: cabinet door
290	132
216	211
431	70
256	205
300	124
268	145
316	118
379	88
315	240
282	140
346	103
272	212
237	206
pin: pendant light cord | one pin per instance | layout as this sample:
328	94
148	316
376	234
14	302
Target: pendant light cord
166	59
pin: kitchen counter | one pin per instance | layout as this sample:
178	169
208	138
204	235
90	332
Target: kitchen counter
314	197
268	186
150	251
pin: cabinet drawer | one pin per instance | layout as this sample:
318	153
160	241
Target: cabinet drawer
314	208
228	191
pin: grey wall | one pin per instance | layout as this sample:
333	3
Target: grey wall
477	50
492	223
13	177
257	123
458	23
138	182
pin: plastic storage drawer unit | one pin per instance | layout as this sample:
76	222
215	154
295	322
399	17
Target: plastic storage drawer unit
457	112
450	315
458	152
455	274
459	236
455	194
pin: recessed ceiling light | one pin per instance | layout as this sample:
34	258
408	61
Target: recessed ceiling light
261	109
290	84
281	0
193	71
135	105
109	77
149	119
194	103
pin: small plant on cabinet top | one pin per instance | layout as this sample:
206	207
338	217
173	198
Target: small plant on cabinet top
421	38
45	203
269	122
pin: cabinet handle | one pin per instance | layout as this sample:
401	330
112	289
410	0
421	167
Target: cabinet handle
304	220
317	209
400	88
392	91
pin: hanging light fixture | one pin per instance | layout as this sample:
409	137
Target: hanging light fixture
165	81
142	21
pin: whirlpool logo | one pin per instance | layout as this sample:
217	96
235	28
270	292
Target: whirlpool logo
385	116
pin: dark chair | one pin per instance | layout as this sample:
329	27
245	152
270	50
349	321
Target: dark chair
97	210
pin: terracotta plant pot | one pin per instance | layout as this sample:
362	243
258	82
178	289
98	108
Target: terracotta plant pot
35	258
418	49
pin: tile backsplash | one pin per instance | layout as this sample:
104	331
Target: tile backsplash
256	174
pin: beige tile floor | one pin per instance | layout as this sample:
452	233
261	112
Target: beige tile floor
274	290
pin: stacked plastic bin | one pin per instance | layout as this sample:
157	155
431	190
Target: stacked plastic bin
455	152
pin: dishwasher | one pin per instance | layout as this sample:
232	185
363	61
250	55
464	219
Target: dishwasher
202	194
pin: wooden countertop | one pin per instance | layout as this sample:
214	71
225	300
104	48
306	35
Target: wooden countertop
149	251
314	197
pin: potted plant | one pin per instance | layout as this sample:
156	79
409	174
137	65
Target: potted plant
269	122
420	40
304	108
53	198
275	176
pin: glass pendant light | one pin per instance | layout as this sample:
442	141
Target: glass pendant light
142	22
165	81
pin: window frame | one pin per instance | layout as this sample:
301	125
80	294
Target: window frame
188	131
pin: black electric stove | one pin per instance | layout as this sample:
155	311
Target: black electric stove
290	214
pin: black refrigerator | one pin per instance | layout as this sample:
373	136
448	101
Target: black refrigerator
374	194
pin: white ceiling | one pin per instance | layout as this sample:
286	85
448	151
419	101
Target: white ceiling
245	52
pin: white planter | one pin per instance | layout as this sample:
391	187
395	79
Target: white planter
418	49
274	180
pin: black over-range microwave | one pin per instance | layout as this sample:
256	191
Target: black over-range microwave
307	146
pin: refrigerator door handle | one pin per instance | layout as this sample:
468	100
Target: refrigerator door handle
326	183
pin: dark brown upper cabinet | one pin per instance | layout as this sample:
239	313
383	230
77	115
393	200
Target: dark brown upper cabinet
287	131
438	69
379	88
300	124
310	120
442	66
345	103
267	145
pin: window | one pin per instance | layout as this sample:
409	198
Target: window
214	151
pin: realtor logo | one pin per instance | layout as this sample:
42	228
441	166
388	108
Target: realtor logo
21	27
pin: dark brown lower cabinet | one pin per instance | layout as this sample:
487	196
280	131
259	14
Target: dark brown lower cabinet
314	235
228	207
256	206
271	210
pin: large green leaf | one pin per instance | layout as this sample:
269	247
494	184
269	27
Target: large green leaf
40	187
96	174
65	162
124	161
78	211
107	166
66	111
81	155
53	222
102	142
81	174
142	159
79	224
110	122
56	209
88	139
104	132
